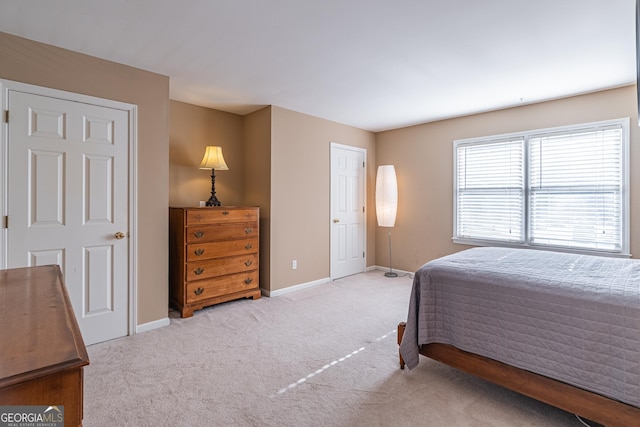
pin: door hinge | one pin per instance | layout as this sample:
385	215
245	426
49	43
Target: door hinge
6	116
5	221
362	162
362	254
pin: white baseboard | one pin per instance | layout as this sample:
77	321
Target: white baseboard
146	327
294	288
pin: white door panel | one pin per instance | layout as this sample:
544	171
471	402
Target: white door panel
67	198
348	216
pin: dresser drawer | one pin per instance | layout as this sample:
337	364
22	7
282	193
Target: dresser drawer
202	251
220	215
204	289
199	270
211	233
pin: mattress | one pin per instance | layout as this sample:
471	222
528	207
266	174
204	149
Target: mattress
573	318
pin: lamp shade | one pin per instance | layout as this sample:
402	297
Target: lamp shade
386	196
213	159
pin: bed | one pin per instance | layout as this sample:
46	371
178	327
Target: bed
561	328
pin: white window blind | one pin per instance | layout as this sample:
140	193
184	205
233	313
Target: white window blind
563	188
576	189
490	194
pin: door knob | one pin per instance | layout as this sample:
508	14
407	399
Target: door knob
119	235
336	220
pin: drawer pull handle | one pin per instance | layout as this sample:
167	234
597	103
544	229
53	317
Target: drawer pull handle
225	213
248	230
198	291
198	271
248	246
198	234
248	263
248	280
199	252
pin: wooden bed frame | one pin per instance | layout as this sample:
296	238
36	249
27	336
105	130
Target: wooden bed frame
586	404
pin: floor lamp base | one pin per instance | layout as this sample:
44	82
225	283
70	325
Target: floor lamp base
390	273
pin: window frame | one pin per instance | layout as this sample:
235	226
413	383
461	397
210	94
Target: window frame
527	135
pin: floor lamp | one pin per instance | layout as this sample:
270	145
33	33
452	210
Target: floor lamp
387	203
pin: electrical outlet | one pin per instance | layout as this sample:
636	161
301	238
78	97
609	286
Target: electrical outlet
294	264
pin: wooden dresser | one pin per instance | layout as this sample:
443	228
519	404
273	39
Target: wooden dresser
213	256
42	353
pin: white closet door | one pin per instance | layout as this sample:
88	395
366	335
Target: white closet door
68	203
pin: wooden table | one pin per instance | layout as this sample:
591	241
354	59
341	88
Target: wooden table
42	353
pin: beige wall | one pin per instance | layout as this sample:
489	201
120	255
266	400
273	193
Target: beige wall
43	65
192	128
423	157
246	145
286	172
300	194
257	161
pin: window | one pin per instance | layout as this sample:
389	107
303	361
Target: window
565	188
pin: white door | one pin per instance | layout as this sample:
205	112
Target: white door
347	210
67	203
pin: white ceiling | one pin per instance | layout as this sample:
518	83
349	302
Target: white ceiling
373	64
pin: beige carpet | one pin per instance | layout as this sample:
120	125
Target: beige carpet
322	356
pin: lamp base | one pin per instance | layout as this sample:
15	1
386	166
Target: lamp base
213	200
390	274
